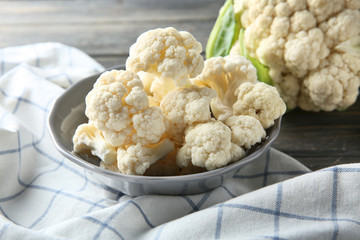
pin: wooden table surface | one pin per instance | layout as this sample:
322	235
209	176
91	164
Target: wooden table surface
106	29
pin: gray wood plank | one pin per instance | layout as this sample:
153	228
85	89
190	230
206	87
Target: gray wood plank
95	39
321	139
101	27
38	12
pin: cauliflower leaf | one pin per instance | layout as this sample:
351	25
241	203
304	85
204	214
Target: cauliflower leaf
224	33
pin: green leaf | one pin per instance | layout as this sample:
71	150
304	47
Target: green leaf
224	33
227	29
261	70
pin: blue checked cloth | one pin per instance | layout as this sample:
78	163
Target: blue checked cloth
45	196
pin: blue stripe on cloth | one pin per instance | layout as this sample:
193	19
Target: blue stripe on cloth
342	170
8	151
228	191
35	143
105	225
159	232
273	237
73	170
2	63
196	207
29	184
294	173
42	216
85	182
192	204
266	170
70	81
204	198
334	204
119	195
286	215
37	58
21	99
55	160
143	214
91	208
219	221
71	63
3	229
84	200
31	70
32	186
184	189
277	210
6	216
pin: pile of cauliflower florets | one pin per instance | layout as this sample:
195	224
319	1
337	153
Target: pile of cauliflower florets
171	113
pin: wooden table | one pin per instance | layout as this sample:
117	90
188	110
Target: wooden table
106	29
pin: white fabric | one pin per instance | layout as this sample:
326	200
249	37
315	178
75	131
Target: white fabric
45	196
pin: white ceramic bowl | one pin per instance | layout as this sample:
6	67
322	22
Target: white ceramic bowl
67	113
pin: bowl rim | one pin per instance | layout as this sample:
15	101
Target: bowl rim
140	178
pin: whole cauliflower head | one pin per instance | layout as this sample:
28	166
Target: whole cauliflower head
186	106
260	101
208	145
294	37
225	75
245	130
172	57
116	103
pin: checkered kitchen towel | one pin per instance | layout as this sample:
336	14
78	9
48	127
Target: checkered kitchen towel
45	196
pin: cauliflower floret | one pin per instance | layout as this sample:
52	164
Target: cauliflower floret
323	9
271	52
352	4
302	21
245	130
304	51
342	27
172	56
288	87
332	87
149	125
260	29
208	145
297	5
280	27
283	9
224	75
115	102
185	106
136	159
88	138
260	101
